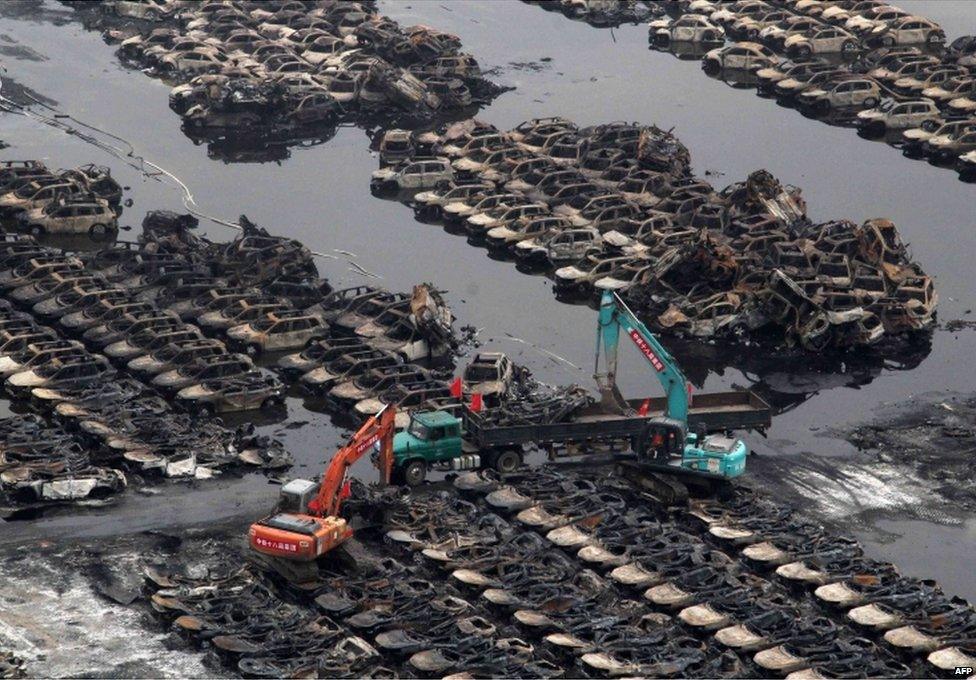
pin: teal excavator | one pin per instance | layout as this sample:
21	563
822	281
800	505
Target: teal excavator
674	456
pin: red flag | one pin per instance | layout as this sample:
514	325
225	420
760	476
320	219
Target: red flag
476	402
645	407
456	388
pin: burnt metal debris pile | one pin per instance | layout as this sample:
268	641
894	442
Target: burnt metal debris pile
572	573
867	65
285	71
616	207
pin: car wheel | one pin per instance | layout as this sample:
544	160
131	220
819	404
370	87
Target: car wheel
803	51
415	472
98	231
152	15
823	106
870	102
35	230
206	410
887	41
252	350
271	403
935	38
508	461
849	47
711	67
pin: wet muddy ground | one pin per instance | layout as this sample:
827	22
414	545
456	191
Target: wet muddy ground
320	194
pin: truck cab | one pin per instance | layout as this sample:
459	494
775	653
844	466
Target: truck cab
432	437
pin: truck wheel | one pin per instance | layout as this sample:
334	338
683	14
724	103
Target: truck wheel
415	472
507	461
98	231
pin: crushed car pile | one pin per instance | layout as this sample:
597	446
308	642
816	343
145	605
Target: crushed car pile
616	207
569	573
285	71
868	65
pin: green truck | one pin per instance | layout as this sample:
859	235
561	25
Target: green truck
682	433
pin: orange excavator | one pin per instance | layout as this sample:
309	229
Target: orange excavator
306	524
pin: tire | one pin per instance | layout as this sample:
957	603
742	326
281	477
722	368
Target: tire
414	472
271	403
507	461
934	38
803	51
870	103
711	67
206	411
849	47
36	230
252	350
152	15
98	231
887	41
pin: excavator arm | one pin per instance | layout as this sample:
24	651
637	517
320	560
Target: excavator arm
615	317
378	429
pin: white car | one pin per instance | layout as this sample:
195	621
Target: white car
892	115
963	106
869	20
688	28
626	277
420	173
917	139
852	93
827	40
741	56
908	31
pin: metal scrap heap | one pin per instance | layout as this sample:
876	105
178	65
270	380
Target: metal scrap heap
617	207
290	69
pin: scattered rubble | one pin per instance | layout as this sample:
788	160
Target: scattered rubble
933	434
285	72
615	207
869	65
567	572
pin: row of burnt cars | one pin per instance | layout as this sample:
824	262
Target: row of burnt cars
860	63
38	200
570	572
124	355
288	67
91	425
616	207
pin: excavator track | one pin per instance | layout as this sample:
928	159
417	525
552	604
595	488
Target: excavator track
664	488
301	574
